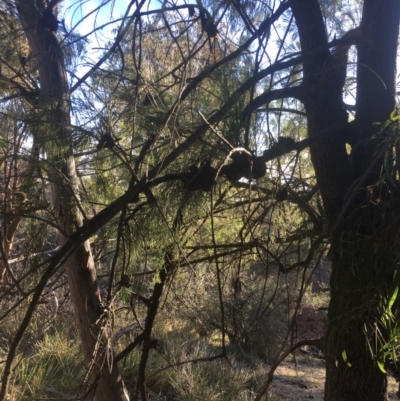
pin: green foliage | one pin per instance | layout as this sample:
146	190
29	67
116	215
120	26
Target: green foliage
236	258
51	367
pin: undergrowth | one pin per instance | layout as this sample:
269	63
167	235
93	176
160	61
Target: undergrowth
183	366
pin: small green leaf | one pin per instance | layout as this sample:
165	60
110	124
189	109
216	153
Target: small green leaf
381	367
346	361
394	116
393	297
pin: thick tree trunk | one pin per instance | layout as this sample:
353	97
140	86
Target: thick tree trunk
358	378
355	331
355	266
55	137
352	373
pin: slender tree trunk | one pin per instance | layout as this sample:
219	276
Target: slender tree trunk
56	139
166	271
351	374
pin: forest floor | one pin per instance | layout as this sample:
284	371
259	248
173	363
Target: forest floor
302	375
302	378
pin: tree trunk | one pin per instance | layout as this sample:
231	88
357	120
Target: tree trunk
355	266
355	332
55	137
358	378
352	374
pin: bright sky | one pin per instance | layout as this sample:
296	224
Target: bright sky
103	13
99	13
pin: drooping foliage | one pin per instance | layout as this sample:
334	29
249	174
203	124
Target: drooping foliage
223	154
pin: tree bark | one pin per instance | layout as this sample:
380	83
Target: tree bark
353	270
55	137
351	372
324	105
358	378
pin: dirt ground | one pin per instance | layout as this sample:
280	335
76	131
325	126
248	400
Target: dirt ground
302	377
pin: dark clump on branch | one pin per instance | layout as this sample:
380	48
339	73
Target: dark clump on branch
239	168
285	142
244	166
203	178
200	178
23	60
207	24
281	195
105	142
191	10
283	145
259	168
125	281
49	20
148	99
